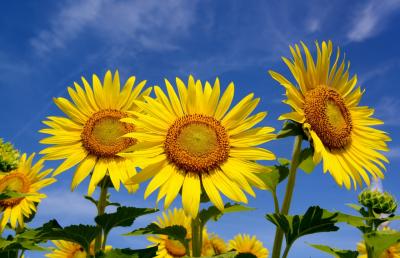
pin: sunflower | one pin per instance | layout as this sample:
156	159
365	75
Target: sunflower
170	248
243	244
194	143
326	102
91	134
66	249
25	179
213	245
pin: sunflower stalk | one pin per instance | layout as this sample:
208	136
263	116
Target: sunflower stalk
101	207
276	251
197	236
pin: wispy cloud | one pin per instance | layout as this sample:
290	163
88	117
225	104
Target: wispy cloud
371	18
388	110
149	24
394	153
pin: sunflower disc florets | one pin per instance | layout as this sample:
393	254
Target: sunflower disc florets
379	202
9	156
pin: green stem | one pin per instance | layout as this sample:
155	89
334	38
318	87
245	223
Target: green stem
276	252
101	207
196	237
370	223
276	202
22	254
286	252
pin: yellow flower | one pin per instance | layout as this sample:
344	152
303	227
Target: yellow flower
91	134
25	179
213	245
391	252
326	102
192	142
243	244
170	248
66	249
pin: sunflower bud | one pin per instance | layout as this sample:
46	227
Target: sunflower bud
379	202
9	157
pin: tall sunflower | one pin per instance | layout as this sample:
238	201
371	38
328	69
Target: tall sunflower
244	244
325	100
194	143
91	134
25	179
170	248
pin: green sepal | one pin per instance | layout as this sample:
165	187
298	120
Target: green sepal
291	128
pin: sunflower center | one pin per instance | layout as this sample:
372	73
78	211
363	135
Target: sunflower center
197	143
16	182
102	133
326	112
175	248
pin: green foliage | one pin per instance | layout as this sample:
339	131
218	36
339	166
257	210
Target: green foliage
275	175
315	220
214	213
9	157
7	194
80	234
379	241
306	162
123	217
17	243
129	253
291	128
336	252
174	232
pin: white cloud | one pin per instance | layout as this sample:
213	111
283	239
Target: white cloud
149	24
394	153
371	18
387	109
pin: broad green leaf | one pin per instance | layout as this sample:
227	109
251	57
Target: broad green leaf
336	252
80	234
9	254
381	240
129	253
275	175
174	232
214	213
352	220
291	128
123	217
315	220
19	244
306	162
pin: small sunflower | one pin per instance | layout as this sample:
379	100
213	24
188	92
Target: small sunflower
170	248
243	244
26	179
213	245
326	102
194	143
66	249
91	134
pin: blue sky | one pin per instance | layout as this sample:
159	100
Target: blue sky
47	45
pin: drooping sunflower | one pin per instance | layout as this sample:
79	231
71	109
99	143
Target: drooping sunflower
66	249
244	244
194	142
91	134
27	179
170	248
213	245
325	100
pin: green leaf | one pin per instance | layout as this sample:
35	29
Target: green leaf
352	220
174	232
336	252
129	253
214	213
381	240
306	162
123	217
291	128
315	220
80	234
19	244
91	199
225	255
275	175
12	194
